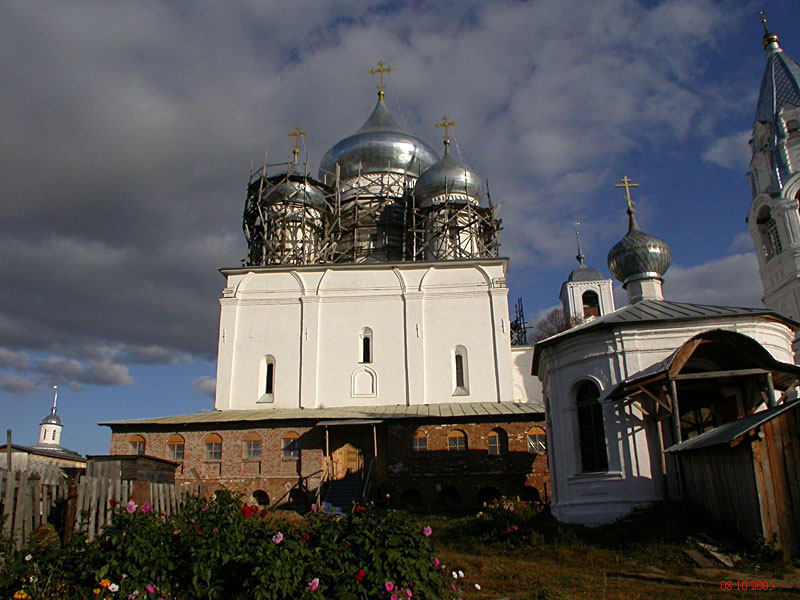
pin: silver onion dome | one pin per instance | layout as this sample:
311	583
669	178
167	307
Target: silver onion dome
448	180
295	187
51	419
380	145
638	256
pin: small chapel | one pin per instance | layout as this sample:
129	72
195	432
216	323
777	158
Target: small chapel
366	350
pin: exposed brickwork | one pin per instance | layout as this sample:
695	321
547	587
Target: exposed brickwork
402	474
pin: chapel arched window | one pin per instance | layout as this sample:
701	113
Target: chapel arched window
591	429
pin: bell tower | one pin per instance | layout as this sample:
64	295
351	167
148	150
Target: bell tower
773	219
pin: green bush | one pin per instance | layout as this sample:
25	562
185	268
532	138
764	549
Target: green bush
218	549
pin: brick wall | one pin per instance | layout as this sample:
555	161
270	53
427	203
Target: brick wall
431	477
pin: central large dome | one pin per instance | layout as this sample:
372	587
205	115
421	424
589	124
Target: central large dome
381	145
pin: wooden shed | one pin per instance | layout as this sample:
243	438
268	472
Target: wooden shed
747	473
132	468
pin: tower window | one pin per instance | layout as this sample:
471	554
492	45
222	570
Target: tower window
54	435
268	388
591	304
771	244
591	429
366	345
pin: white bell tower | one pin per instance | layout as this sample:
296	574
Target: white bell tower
773	219
51	426
586	294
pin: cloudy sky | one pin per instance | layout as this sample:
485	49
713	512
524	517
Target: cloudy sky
129	129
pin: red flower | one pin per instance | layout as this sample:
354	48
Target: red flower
249	511
263	513
305	537
359	508
360	575
112	503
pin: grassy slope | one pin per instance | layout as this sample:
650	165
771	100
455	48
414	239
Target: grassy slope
575	562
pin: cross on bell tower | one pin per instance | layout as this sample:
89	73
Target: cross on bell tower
296	134
446	123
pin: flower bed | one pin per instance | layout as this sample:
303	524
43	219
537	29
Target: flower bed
216	548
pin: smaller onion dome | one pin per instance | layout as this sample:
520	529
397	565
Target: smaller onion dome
294	186
638	255
52	419
584	273
449	180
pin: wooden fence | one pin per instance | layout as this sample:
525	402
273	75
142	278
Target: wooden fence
28	501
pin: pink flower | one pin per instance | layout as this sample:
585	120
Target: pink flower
313	508
389	586
408	592
146	508
427	531
313	584
131	507
393	597
436	562
278	538
150	589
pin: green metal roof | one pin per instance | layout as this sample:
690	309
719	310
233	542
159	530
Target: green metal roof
358	413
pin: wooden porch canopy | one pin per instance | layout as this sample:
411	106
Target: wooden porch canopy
351	422
655	392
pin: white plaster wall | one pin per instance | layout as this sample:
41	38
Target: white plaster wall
309	318
527	388
608	357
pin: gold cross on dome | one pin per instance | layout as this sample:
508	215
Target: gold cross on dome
627	184
380	71
763	20
446	123
298	131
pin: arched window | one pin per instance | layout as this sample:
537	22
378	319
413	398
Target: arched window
213	447
251	446
771	244
591	429
460	372
498	442
537	441
175	447
591	304
365	340
419	442
267	379
290	446
136	444
52	437
457	441
261	497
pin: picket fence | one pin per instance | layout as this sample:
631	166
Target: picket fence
28	499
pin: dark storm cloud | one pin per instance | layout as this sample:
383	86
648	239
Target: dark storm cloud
129	129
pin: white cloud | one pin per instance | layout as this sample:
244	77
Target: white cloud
206	385
728	281
731	151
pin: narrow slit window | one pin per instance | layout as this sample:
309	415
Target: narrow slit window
459	370
366	349
269	387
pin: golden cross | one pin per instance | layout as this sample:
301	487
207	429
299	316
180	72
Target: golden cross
446	123
296	135
627	184
380	71
763	21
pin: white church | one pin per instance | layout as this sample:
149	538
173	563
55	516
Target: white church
365	347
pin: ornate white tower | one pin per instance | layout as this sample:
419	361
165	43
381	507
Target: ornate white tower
773	219
50	427
586	294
